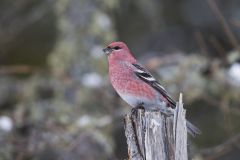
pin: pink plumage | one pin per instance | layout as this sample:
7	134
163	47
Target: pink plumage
135	84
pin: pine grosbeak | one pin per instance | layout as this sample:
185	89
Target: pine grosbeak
136	85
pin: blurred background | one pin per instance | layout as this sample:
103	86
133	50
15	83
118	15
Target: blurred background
56	101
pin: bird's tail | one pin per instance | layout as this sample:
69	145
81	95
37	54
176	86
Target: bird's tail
193	130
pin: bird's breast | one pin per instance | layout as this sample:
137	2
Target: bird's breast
125	82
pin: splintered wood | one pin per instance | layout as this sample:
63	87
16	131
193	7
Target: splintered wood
152	135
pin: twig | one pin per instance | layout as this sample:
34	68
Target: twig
17	69
201	43
224	24
217	151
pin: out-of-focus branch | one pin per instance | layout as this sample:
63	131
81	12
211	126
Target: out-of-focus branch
13	21
223	22
218	151
17	69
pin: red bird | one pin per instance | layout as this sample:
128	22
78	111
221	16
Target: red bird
136	85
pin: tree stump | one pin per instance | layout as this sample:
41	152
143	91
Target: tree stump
152	135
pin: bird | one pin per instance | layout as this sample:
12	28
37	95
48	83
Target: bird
136	85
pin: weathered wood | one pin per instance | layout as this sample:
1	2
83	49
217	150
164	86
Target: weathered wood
152	135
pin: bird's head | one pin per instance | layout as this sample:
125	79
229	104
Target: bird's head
118	51
115	47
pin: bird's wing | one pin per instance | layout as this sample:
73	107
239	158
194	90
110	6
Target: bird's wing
146	76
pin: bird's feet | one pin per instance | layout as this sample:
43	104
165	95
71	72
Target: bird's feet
134	110
165	112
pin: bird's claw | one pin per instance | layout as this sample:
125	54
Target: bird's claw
166	113
134	110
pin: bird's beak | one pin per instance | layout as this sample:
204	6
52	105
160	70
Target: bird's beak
107	50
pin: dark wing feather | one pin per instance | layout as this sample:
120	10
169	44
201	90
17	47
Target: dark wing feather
146	76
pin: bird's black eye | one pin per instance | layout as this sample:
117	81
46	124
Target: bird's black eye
116	48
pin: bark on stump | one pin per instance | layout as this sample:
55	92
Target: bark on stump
152	135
